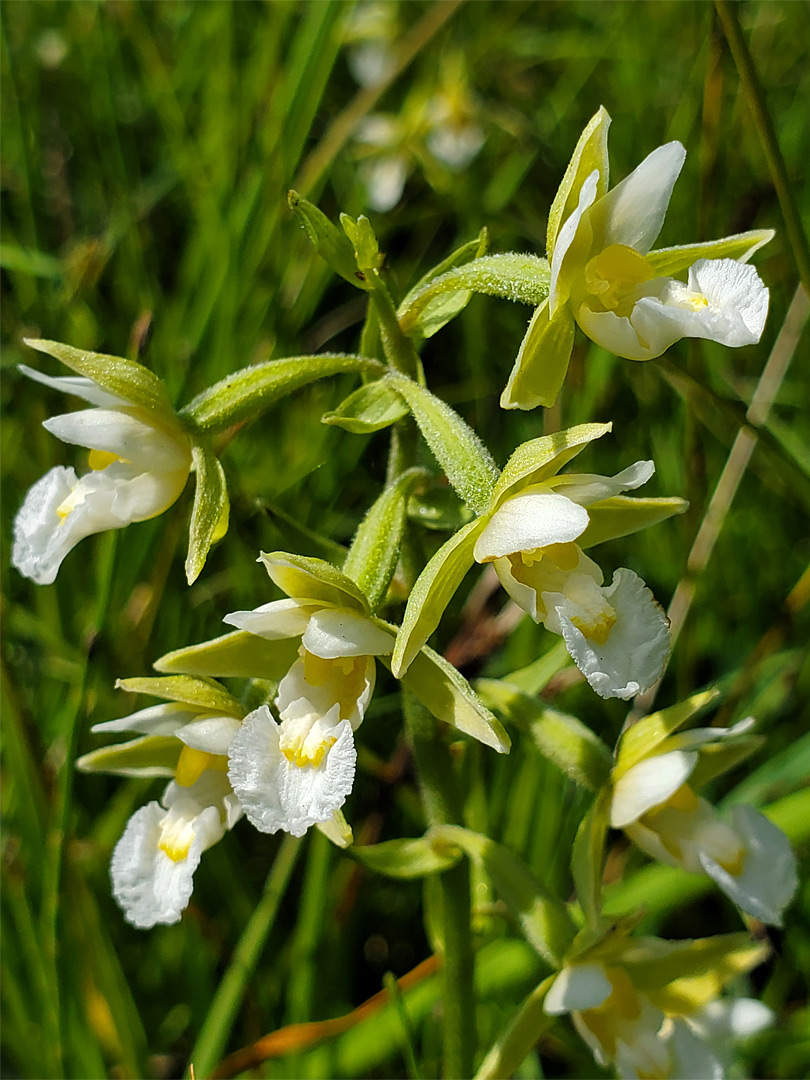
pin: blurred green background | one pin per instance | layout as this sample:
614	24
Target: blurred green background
146	153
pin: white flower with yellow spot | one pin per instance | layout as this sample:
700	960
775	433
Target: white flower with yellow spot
655	803
139	459
605	278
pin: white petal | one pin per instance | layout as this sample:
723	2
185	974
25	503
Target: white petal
768	880
735	291
633	656
583	986
211	734
574	237
691	1057
633	212
649	784
334	632
125	433
585	488
138	496
730	1019
349	691
162	719
77	385
384	180
279	619
701	736
278	794
530	520
646	334
41	538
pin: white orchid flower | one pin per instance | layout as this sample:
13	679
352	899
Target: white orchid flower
139	459
617	635
747	856
153	863
298	773
605	278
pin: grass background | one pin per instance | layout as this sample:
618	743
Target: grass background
147	149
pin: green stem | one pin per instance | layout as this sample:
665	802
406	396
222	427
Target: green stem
755	97
217	1025
400	351
442	803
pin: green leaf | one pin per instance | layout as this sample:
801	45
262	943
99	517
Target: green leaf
432	592
236	655
184	688
30	261
622	515
543	918
447	304
306	578
125	378
588	858
247	393
210	509
590	153
537	460
374	553
369	408
438	508
524	1030
542	361
740	246
524	279
407	859
640	740
446	693
465	460
362	238
536	676
563	739
148	755
327	239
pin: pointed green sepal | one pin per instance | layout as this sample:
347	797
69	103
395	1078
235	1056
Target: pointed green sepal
542	361
148	755
437	312
538	460
124	378
364	242
246	394
209	515
716	758
432	592
337	830
305	578
374	553
590	153
236	655
466	462
690	972
740	246
622	515
186	689
640	740
327	239
406	859
369	408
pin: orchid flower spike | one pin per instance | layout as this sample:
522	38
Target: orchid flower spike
154	861
535	533
654	801
605	278
140	459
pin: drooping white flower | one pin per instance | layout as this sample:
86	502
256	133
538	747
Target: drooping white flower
139	465
617	635
297	773
747	856
605	278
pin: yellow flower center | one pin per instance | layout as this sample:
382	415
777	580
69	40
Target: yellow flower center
596	628
612	276
192	764
176	840
100	459
300	754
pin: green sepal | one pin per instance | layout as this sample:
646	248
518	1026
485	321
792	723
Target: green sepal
406	859
541	365
374	553
209	515
538	460
438	508
124	378
186	689
364	242
740	246
543	918
245	394
716	758
236	655
432	592
327	239
369	408
524	1030
588	858
563	739
337	830
438	312
590	153
524	279
640	740
655	965
621	515
148	755
307	578
444	691
466	462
